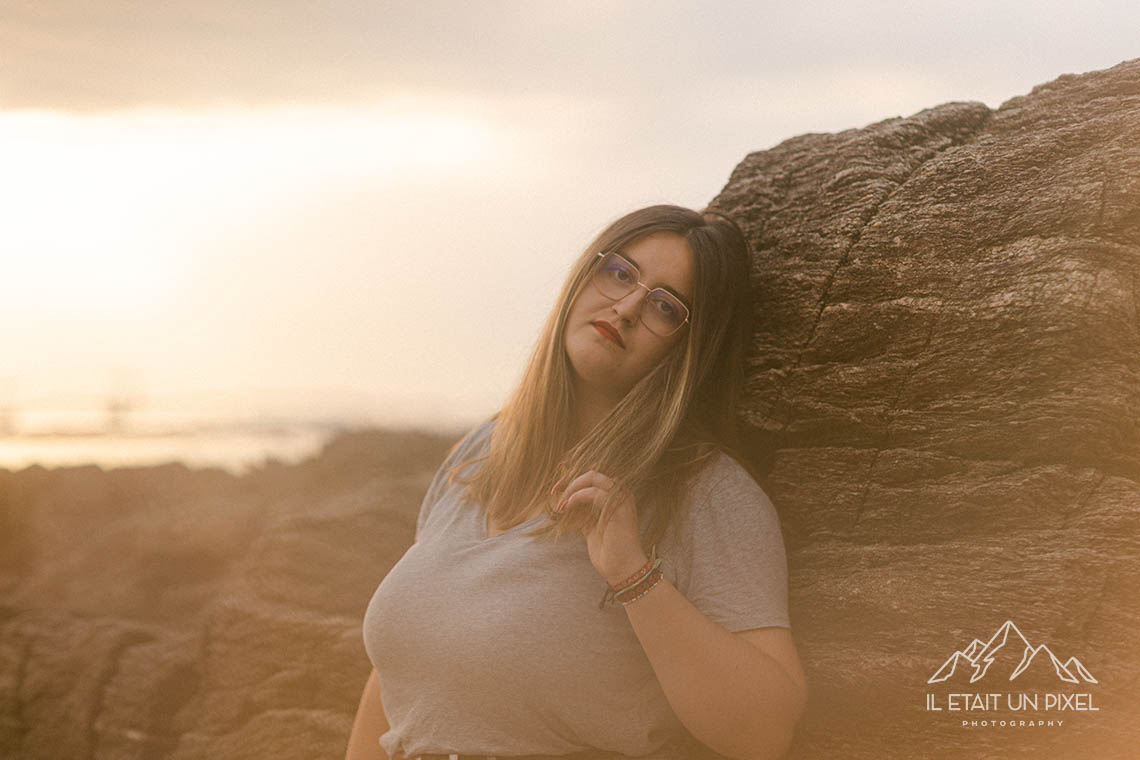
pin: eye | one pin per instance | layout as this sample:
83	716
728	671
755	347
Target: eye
618	271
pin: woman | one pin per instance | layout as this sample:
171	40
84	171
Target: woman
595	573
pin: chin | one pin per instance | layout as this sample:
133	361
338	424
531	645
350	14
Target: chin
590	371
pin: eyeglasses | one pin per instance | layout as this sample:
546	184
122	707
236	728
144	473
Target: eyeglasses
616	277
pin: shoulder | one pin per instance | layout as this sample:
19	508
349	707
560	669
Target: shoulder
723	477
474	443
730	560
471	446
723	499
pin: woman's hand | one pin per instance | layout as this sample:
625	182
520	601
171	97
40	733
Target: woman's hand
615	548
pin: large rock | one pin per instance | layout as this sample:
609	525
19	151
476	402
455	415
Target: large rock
945	395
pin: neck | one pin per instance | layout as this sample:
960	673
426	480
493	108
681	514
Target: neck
589	409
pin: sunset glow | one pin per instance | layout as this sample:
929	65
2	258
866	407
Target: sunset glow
101	213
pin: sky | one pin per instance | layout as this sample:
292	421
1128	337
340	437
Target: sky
366	209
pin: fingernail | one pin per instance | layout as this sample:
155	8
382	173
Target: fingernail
561	505
557	486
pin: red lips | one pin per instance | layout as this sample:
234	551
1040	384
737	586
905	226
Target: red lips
606	329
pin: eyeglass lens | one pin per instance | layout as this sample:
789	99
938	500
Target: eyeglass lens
661	311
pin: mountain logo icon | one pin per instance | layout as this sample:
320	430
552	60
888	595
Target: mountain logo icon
1009	651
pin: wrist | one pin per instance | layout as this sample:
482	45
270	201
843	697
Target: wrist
622	573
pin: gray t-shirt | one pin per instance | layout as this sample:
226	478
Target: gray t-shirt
497	646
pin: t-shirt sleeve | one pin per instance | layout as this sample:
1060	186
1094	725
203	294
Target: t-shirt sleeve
734	551
463	449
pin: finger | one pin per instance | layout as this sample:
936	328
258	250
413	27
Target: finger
563	477
589	478
603	480
579	497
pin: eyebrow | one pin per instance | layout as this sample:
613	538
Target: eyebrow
672	290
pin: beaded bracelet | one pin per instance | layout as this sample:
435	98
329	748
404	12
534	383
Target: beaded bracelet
638	587
641	573
636	583
643	589
649	571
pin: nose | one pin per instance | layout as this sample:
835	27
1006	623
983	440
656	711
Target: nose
628	308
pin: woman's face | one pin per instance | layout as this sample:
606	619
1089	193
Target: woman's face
610	367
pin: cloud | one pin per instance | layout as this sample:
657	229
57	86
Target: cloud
121	53
651	57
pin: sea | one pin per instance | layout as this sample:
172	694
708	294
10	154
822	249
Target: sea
233	443
235	450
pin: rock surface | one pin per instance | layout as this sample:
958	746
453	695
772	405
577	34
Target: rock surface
943	395
171	613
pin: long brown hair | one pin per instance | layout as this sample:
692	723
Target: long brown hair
671	420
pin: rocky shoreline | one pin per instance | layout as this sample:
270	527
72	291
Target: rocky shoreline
183	613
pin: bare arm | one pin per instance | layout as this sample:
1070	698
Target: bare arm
740	694
369	724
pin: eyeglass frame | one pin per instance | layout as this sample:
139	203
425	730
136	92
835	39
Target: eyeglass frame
648	290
